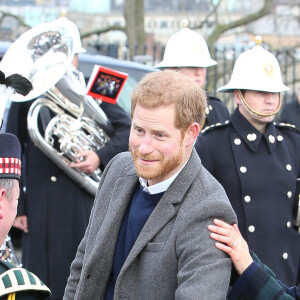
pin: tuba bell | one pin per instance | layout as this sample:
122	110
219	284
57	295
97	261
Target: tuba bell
75	122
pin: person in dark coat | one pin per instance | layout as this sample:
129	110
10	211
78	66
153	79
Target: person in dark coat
257	162
53	209
291	112
187	52
15	283
254	280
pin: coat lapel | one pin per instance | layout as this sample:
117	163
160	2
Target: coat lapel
108	232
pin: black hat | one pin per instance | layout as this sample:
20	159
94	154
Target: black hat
10	156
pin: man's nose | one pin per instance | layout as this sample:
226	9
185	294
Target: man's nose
197	71
146	145
271	98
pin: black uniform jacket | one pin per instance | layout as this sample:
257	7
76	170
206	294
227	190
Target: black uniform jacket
57	208
216	111
259	172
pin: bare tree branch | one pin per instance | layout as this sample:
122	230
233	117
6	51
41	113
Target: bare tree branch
103	30
221	28
212	12
6	14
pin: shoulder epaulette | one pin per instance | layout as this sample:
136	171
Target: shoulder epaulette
18	279
214	126
287	126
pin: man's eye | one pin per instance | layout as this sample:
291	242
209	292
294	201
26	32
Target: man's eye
139	130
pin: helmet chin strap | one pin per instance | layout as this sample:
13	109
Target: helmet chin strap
255	113
202	124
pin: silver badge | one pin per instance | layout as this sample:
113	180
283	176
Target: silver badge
271	139
251	137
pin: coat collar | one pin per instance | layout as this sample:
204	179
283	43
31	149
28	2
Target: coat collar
251	136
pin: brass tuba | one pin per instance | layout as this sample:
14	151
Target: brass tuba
44	55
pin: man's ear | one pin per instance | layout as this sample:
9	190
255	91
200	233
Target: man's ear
192	133
237	97
2	199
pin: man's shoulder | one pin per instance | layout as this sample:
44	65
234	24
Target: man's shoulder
21	282
205	184
214	136
215	127
208	196
287	127
121	161
124	158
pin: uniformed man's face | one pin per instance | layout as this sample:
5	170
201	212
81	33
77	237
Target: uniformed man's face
261	102
8	208
196	74
158	148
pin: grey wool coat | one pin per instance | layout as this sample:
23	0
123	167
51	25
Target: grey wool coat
173	257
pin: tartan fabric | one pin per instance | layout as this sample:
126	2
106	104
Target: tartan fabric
258	282
10	165
10	156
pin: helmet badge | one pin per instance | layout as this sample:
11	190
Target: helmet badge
268	69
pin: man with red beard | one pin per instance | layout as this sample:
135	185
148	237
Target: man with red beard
147	236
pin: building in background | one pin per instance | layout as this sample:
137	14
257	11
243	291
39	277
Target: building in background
161	21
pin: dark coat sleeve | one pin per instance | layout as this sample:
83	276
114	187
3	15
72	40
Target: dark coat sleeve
119	140
258	282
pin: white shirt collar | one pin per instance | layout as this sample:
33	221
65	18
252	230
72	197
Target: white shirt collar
161	186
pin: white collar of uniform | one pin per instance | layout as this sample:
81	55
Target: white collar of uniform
161	186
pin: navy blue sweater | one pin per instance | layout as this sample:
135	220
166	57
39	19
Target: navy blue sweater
137	214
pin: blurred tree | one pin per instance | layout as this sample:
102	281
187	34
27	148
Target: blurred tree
5	14
135	30
218	27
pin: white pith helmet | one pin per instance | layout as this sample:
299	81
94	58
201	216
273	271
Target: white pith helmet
76	35
186	48
256	69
